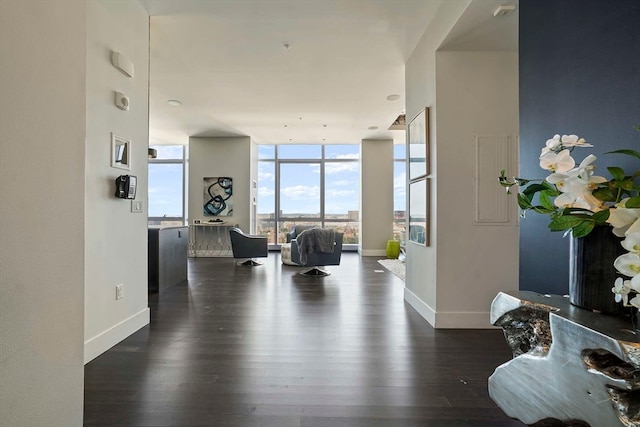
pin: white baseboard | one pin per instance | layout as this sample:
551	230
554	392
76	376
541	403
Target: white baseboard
372	252
420	306
102	342
448	319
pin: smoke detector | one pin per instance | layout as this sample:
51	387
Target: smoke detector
504	10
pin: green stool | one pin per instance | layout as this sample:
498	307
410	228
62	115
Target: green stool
393	249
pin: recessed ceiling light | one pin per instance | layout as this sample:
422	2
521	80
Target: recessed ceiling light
393	97
373	127
174	103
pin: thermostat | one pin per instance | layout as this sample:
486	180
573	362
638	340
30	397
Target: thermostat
122	101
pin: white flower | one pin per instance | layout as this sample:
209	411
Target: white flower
551	145
577	186
635	283
635	301
574	141
628	264
557	162
622	288
632	243
624	220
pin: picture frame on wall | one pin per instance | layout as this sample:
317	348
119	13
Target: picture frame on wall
419	213
418	138
120	152
217	196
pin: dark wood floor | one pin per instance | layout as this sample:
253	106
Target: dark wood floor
262	346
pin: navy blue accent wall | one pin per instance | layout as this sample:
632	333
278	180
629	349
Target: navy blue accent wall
580	74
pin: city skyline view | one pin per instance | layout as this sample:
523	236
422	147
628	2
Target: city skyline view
300	182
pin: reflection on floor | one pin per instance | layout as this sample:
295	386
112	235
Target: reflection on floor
264	346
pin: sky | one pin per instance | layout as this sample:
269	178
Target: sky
300	182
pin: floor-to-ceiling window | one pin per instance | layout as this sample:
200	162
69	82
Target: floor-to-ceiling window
308	185
167	186
399	191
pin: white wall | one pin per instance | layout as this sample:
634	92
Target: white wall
42	134
116	239
420	84
470	94
477	97
376	196
232	157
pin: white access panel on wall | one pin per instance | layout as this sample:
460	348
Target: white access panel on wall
491	205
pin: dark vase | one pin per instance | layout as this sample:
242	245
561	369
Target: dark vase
592	274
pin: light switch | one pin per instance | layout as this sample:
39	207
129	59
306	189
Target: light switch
136	206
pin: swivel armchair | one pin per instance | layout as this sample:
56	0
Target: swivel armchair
247	246
307	250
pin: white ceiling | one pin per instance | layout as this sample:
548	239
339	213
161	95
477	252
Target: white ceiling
226	62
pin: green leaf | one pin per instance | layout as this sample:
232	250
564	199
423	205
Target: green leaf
604	194
545	200
543	210
625	184
633	202
627	152
534	188
582	229
616	172
601	217
524	202
564	222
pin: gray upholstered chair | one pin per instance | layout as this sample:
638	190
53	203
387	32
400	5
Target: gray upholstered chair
315	258
297	229
247	246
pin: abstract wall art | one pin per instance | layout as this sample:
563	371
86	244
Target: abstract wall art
218	196
419	145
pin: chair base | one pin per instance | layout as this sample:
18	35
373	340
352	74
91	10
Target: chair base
315	272
250	263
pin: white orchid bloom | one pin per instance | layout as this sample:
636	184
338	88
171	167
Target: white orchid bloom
622	288
571	200
632	243
628	264
635	301
551	145
624	221
557	162
596	205
559	180
577	186
635	283
574	141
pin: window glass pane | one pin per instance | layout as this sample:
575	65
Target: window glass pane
299	151
349	229
165	190
285	226
300	190
399	199
342	183
169	151
350	151
342	199
266	199
399	151
266	151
